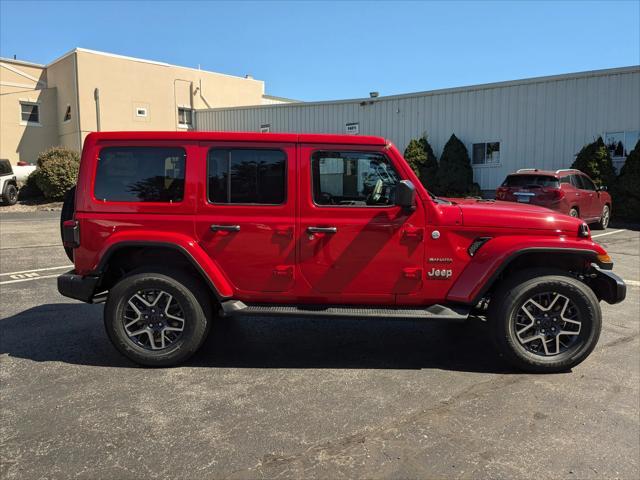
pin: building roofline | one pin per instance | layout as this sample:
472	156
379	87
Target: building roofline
22	62
284	99
143	60
442	91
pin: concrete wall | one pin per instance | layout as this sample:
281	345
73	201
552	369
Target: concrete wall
539	122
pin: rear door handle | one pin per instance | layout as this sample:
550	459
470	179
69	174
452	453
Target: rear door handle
322	229
225	228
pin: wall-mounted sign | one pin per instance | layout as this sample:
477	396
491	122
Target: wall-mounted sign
352	128
265	128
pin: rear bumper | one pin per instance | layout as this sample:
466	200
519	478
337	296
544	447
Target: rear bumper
77	286
608	286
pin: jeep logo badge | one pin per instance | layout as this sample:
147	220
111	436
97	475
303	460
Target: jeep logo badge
438	273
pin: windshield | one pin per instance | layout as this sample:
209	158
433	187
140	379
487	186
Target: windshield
531	181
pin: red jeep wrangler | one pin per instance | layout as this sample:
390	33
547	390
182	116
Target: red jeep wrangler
173	230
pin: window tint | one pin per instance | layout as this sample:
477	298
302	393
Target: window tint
247	176
140	174
353	179
5	167
531	181
586	183
30	112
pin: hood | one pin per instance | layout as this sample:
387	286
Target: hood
490	213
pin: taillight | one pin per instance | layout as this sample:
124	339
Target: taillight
557	194
501	191
71	233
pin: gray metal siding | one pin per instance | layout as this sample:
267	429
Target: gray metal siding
540	123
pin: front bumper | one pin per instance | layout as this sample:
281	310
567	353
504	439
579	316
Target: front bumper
608	286
77	286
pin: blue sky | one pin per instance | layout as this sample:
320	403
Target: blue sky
332	50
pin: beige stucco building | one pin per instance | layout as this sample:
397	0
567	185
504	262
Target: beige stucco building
85	91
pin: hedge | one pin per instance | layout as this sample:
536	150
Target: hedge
57	172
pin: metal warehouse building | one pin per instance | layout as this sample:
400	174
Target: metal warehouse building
538	122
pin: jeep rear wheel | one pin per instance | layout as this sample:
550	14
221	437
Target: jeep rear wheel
545	321
157	318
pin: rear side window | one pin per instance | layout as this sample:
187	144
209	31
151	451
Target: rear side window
256	176
5	167
531	181
140	174
357	179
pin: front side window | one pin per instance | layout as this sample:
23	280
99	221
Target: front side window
256	176
357	179
185	117
486	153
586	183
140	174
29	112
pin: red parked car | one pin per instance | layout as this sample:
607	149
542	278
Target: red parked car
177	231
567	191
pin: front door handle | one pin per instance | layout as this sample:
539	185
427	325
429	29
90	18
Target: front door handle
322	229
225	228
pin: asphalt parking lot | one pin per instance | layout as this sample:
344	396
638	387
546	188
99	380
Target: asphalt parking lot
301	398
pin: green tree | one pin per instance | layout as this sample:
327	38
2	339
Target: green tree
455	175
420	157
594	159
626	191
57	172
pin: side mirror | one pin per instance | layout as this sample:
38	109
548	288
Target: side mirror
406	195
602	188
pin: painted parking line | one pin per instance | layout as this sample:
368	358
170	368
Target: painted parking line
30	277
35	270
607	233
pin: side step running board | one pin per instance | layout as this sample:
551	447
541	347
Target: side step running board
433	312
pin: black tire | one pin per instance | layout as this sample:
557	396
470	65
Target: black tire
573	212
68	210
605	216
10	195
193	299
512	295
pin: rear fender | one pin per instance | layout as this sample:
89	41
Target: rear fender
202	262
496	255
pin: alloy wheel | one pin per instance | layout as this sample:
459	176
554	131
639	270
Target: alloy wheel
547	324
153	319
605	217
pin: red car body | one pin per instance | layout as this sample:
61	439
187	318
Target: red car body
378	256
570	192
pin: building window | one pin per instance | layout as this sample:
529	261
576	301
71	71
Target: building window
256	176
140	174
185	117
67	114
619	145
353	179
265	128
141	112
486	153
30	113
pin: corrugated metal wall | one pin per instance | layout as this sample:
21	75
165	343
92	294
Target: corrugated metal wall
539	123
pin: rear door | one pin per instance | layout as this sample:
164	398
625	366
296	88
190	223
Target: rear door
356	246
246	211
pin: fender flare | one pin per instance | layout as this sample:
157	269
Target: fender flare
485	267
196	256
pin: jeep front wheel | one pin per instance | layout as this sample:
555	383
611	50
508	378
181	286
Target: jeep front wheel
157	318
545	322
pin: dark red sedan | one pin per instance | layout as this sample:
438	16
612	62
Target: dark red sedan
567	191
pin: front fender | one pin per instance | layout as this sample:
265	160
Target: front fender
185	244
499	252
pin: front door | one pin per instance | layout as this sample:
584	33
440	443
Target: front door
245	218
355	244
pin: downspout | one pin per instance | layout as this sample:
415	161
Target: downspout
96	97
77	86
